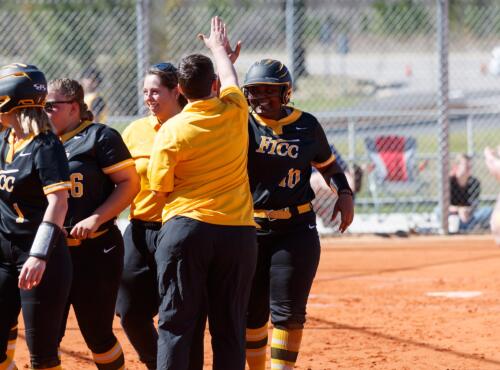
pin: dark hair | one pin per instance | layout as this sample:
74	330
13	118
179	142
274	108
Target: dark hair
196	74
167	74
92	73
73	91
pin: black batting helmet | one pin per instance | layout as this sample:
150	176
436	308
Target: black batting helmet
21	85
270	72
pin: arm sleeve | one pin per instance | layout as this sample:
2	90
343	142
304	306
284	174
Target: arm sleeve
164	158
112	154
324	155
52	166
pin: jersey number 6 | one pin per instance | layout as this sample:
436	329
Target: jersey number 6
76	185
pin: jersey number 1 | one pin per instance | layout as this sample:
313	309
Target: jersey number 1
291	179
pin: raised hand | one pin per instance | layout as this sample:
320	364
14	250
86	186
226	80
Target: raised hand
218	35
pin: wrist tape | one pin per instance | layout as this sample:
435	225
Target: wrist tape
45	241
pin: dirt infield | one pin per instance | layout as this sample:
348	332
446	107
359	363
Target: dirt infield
418	303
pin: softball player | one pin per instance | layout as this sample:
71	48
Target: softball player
138	297
35	266
284	145
206	248
104	182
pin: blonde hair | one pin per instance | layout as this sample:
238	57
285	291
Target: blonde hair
72	90
33	120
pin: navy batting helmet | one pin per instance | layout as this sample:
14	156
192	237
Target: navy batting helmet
270	72
21	85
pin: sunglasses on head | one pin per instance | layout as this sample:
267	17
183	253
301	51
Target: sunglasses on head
163	67
50	105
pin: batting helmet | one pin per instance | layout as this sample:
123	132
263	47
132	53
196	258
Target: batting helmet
270	72
21	85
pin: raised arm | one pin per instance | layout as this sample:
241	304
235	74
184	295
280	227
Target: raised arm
217	42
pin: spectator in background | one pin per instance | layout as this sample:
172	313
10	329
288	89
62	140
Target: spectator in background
465	190
91	82
492	160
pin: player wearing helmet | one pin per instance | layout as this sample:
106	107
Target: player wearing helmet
285	143
35	267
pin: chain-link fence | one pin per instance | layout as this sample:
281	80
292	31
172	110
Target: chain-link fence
369	70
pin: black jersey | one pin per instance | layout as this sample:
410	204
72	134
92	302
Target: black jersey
280	156
94	151
30	169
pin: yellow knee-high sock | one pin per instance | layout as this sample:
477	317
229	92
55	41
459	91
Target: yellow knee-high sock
285	347
112	359
256	348
8	364
11	344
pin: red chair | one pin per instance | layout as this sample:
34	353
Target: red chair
394	171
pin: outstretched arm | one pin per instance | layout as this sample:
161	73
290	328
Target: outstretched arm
218	42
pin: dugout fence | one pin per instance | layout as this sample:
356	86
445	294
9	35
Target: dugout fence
426	69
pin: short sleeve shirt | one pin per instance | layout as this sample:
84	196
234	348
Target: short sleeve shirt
200	158
29	170
280	159
94	151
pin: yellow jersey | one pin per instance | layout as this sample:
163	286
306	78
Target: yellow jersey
139	137
200	158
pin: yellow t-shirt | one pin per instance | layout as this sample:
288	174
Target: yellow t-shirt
200	158
139	137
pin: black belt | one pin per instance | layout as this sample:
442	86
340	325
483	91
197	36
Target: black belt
146	224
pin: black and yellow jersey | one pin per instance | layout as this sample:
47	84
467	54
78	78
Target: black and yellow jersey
94	151
280	159
30	169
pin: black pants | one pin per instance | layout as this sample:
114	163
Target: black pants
42	306
97	264
203	265
138	298
287	262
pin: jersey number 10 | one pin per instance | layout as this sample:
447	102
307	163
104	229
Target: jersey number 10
291	179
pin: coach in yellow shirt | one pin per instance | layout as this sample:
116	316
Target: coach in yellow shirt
206	250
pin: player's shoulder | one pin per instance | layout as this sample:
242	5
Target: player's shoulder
101	130
306	118
46	140
135	127
234	95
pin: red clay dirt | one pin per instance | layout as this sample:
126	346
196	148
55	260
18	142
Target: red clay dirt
372	307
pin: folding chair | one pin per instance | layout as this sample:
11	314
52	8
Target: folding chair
394	170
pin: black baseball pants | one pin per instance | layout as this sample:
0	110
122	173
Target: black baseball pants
42	306
203	265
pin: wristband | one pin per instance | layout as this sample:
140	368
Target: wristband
45	241
339	180
345	192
